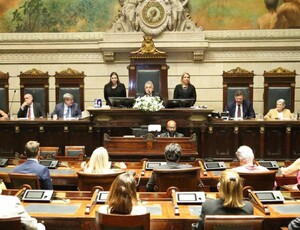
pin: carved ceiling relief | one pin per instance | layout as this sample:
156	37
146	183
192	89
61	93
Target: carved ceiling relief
153	17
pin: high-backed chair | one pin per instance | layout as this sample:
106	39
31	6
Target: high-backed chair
241	222
11	223
19	179
148	66
4	105
279	83
187	179
259	181
36	83
122	222
70	81
87	181
74	150
49	152
237	79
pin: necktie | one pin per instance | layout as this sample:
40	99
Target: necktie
68	112
239	114
29	112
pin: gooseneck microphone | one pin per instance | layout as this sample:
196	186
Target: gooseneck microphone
12	100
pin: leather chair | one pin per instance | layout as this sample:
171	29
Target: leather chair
187	179
11	223
87	181
241	222
259	181
49	152
122	222
19	179
74	150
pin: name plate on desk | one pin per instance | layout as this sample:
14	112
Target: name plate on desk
153	165
209	166
102	197
190	197
38	195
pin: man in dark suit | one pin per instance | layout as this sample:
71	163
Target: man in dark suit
67	109
32	150
240	108
172	156
30	109
171	130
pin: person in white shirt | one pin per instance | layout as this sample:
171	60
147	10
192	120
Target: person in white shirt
122	197
11	206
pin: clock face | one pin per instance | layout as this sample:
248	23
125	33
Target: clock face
153	14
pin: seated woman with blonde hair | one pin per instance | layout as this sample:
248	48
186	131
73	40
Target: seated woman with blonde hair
280	112
99	162
122	197
231	198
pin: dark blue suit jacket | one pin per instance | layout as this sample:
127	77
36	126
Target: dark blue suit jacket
31	166
59	110
248	110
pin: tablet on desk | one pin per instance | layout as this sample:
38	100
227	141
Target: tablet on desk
102	196
267	197
38	195
190	197
51	164
209	166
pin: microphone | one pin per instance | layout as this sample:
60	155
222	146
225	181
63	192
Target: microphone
12	100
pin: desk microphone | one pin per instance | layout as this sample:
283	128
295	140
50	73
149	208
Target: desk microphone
11	103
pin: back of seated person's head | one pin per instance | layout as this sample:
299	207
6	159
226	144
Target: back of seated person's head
32	149
99	161
245	154
173	152
231	189
122	194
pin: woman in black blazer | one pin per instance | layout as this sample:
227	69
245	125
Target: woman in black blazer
114	88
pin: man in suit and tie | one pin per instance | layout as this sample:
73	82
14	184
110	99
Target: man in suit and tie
240	108
30	109
67	109
32	150
171	130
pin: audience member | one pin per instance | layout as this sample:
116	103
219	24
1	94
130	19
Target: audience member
231	198
3	115
11	206
149	90
280	112
68	108
30	109
185	90
272	20
122	197
240	108
171	130
99	162
246	158
32	150
290	9
114	88
293	169
172	156
295	224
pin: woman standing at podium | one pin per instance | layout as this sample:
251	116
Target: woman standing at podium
114	88
185	90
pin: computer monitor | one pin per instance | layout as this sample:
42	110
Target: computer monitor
122	102
180	103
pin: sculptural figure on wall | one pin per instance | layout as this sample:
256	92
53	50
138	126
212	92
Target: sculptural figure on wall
153	16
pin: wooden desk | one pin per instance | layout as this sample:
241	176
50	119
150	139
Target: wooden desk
159	221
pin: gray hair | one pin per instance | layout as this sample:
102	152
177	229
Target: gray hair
245	154
68	96
149	83
173	152
282	101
